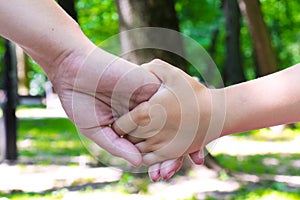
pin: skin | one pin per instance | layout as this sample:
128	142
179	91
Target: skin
95	87
83	75
260	103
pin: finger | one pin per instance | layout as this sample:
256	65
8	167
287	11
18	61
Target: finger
130	121
170	167
152	158
134	139
142	147
169	74
154	172
163	71
151	121
146	147
197	157
124	125
107	139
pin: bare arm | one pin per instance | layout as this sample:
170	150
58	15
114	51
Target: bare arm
83	75
170	113
43	30
263	102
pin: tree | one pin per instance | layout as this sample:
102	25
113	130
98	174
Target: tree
2	139
233	71
9	108
148	13
264	52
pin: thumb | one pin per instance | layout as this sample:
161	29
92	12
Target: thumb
107	139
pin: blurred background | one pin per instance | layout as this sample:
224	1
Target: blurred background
43	157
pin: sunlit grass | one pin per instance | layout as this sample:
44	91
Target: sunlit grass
266	194
284	164
290	132
48	138
31	196
52	138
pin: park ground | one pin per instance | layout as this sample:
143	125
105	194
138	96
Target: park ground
56	163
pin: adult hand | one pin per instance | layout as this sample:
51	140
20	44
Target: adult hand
98	88
83	80
95	89
83	75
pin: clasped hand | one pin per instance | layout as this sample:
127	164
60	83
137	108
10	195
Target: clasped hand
163	129
174	122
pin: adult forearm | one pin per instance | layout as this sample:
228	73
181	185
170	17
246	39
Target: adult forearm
264	102
43	30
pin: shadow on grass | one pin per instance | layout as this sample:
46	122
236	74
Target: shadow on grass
128	184
258	191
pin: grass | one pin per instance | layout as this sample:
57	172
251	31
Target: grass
31	196
272	192
290	132
48	139
272	164
263	193
264	164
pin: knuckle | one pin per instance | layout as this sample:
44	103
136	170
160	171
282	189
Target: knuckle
143	111
156	60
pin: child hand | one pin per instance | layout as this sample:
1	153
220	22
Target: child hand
174	121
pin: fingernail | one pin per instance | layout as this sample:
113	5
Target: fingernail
169	175
201	161
155	179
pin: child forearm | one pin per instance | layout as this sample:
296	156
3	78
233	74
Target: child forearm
264	102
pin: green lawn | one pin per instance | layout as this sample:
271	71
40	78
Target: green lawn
44	140
48	138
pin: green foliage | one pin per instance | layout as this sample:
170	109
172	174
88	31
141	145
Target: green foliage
98	19
247	52
2	49
37	79
283	19
199	20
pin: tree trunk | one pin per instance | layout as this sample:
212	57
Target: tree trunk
9	108
2	139
265	54
149	13
233	71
